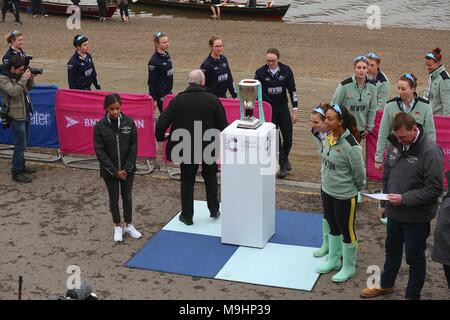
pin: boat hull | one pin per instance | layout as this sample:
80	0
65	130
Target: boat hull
90	10
275	12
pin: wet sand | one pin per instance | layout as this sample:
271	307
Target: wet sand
62	218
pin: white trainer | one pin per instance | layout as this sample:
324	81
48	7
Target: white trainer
131	230
118	234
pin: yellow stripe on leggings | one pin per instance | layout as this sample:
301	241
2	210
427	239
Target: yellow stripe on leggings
351	221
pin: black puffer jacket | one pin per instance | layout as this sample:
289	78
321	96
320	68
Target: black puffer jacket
111	144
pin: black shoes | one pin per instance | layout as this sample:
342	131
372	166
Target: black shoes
283	171
186	221
216	215
20	177
288	166
28	170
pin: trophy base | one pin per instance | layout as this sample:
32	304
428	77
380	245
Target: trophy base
249	123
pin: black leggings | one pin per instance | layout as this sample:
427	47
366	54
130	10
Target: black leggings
340	215
126	188
37	7
447	274
123	9
102	8
13	7
281	117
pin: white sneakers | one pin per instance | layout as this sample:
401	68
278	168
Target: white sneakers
131	230
118	234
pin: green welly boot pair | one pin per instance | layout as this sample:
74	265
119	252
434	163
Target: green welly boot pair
348	270
334	256
323	250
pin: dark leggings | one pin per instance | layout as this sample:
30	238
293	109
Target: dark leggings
340	215
281	117
447	274
123	9
37	7
13	7
126	188
102	8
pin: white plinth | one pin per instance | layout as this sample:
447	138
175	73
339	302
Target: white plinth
248	167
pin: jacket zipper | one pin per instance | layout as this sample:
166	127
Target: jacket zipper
118	151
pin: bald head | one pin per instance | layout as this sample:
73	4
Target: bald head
196	77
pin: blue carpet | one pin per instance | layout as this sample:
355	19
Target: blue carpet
297	228
197	251
183	253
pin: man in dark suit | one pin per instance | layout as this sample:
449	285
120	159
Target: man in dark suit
196	118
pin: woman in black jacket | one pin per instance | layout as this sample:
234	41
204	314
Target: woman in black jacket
115	141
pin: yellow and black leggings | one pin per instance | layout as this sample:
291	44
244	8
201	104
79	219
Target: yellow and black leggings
340	215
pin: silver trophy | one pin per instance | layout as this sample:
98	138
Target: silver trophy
249	92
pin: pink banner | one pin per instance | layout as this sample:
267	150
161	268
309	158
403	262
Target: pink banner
442	125
232	110
77	111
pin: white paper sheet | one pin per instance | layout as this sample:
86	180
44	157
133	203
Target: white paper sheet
377	196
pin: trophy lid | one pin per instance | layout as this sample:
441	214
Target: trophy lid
249	83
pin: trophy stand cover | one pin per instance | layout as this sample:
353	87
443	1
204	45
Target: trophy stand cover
248	167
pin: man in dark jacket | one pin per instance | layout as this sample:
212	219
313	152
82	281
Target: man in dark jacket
441	248
413	180
193	114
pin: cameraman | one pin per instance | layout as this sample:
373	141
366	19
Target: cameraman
80	68
15	83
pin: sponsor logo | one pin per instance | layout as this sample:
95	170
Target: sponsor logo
412	159
71	121
170	72
275	90
350	95
222	77
40	119
231	144
126	129
328	164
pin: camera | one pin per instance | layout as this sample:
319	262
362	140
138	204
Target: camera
4	116
32	70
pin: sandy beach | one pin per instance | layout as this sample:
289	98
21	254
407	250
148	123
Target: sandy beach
62	218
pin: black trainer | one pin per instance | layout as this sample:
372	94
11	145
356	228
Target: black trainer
28	170
288	166
283	172
216	215
21	178
186	221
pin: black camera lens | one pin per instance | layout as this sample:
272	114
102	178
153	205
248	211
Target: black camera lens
36	70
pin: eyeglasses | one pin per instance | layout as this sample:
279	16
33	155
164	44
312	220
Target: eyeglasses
431	56
372	55
361	58
337	108
409	76
319	110
218	46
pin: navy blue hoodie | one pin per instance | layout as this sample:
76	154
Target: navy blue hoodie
218	77
81	72
160	76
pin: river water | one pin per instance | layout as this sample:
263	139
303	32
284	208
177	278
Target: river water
399	13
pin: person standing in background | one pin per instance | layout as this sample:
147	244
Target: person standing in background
379	78
438	90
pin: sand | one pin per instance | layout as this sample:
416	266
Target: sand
62	218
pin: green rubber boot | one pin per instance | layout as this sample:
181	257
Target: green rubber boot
323	250
334	256
348	270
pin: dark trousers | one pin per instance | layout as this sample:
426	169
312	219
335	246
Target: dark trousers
341	216
123	8
20	130
281	117
37	7
13	6
126	188
447	274
102	8
413	236
209	174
